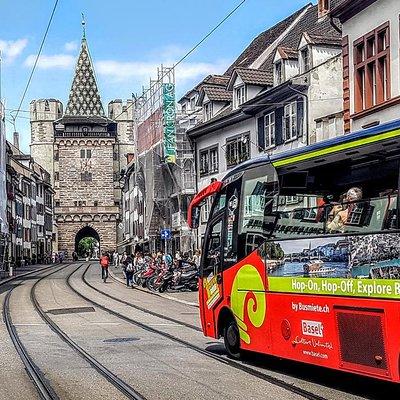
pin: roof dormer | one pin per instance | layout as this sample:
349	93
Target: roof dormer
212	99
285	64
315	49
246	83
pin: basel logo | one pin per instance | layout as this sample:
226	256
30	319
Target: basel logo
312	328
248	300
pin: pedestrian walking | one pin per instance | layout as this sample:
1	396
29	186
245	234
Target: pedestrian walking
129	270
115	258
104	262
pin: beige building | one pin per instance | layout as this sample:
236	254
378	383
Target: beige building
84	151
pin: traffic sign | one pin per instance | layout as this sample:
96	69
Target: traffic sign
166	234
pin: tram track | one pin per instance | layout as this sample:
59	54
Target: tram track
43	387
122	386
136	307
111	275
226	361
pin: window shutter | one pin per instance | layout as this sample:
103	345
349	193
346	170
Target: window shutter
300	116
261	134
278	126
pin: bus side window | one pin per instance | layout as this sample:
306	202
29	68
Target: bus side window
257	216
212	255
364	216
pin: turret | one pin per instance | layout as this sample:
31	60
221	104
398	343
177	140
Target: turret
43	113
122	114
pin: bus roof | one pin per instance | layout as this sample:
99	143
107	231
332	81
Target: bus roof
341	143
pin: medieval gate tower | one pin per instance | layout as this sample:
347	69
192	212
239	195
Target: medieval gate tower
84	150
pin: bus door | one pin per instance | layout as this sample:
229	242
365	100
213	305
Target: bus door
211	271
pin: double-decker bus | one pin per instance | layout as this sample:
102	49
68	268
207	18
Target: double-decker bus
301	255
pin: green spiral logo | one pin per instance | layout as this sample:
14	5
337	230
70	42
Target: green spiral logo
248	293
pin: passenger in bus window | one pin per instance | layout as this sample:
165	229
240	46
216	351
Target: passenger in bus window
340	212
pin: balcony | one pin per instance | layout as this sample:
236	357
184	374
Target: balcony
92	134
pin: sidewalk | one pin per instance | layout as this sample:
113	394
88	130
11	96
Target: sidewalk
22	271
188	298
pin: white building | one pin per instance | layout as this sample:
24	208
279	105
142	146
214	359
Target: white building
283	92
3	194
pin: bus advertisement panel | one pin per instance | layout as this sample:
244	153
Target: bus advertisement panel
301	259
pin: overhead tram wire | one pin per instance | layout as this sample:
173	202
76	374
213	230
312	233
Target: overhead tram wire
198	44
36	60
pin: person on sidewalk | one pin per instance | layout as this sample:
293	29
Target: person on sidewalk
129	270
115	258
104	262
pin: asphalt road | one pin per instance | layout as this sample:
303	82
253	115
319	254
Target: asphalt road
111	342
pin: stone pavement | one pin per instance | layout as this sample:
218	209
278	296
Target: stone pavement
189	298
21	271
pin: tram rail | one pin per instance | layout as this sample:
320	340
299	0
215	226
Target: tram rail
234	364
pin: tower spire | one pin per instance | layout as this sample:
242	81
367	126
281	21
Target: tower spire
83	27
84	97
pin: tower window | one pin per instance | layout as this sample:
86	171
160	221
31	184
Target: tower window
86	153
46	105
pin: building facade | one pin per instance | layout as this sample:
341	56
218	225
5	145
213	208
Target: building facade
30	216
283	92
371	79
3	193
159	181
83	149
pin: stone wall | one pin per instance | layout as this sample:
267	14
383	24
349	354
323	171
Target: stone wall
67	232
70	167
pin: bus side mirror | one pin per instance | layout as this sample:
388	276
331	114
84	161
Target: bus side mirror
194	218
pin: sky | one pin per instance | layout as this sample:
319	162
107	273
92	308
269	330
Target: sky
127	39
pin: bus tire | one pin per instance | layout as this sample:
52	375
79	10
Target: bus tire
232	339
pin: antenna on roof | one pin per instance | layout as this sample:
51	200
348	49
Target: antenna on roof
83	26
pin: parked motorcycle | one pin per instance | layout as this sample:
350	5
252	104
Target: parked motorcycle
184	277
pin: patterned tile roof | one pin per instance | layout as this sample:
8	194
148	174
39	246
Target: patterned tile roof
84	97
310	24
262	41
220	80
215	93
288	53
255	76
217	80
325	40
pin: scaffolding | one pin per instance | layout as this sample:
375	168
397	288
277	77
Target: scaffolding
163	183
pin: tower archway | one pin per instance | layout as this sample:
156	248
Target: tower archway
87	243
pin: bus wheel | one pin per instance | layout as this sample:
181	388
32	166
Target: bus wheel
232	339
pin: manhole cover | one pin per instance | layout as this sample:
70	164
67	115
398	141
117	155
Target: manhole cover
121	340
74	310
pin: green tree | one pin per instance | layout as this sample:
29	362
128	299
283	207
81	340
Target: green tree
86	246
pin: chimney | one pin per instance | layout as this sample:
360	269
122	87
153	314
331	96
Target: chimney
16	140
323	7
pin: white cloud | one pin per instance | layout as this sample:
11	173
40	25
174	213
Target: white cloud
11	49
58	61
71	46
120	71
140	71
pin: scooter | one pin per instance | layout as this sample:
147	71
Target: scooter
185	277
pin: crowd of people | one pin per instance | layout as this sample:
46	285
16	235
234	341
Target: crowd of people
134	262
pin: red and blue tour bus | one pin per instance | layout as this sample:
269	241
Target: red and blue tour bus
301	254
